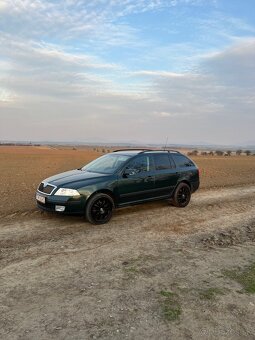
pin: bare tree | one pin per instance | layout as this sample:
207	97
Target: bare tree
219	153
193	153
239	152
229	152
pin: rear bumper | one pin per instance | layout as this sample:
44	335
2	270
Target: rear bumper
72	205
195	186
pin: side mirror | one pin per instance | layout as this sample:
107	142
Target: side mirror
128	172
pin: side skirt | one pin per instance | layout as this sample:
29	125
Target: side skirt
159	198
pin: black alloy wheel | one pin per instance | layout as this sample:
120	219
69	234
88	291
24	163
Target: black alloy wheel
182	195
99	209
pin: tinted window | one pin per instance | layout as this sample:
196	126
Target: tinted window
182	161
140	164
162	162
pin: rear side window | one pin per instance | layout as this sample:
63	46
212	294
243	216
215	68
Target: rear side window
162	162
181	161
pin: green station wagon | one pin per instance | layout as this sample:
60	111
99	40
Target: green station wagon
118	179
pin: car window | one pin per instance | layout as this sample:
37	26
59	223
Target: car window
162	162
107	164
140	164
181	161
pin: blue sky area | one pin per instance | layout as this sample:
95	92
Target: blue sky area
121	71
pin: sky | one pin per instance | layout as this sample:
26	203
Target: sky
134	71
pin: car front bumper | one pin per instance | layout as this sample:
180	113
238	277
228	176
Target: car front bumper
73	205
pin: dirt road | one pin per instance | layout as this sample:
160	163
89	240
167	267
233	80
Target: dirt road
153	272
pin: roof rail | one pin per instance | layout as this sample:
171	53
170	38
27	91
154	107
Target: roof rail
147	150
162	150
171	150
132	149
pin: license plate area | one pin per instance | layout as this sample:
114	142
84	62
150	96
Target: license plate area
40	198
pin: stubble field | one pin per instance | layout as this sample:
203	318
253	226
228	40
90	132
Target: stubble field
153	272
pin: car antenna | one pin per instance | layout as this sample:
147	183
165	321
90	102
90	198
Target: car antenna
166	143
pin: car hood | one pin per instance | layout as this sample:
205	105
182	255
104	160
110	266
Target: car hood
72	176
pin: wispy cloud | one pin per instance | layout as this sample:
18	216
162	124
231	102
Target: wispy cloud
97	19
165	74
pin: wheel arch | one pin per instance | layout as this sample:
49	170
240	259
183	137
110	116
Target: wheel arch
104	191
186	182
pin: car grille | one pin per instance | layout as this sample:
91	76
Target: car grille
46	188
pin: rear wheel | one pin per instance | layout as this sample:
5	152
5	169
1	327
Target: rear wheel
99	209
181	195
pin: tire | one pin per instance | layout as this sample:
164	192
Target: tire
181	195
99	209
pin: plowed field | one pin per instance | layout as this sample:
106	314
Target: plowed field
153	272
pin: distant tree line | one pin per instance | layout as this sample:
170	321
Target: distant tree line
101	150
19	144
227	153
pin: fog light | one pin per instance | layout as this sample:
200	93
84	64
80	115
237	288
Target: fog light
60	208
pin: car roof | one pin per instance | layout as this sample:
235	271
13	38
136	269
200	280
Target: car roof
133	152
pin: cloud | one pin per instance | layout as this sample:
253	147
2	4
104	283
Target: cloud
164	114
235	65
5	96
163	74
163	103
45	53
3	5
52	53
60	69
67	20
31	69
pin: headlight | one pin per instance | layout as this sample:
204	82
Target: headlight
66	192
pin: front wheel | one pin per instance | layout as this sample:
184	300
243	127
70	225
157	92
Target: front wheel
99	209
181	195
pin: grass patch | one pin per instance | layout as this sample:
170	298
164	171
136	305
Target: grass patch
210	293
135	265
246	277
167	294
170	306
133	270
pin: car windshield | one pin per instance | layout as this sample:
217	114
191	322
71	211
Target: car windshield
106	164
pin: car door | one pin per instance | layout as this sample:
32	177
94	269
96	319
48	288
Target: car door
136	181
166	175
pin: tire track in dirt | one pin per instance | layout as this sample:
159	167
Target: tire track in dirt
213	208
205	206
